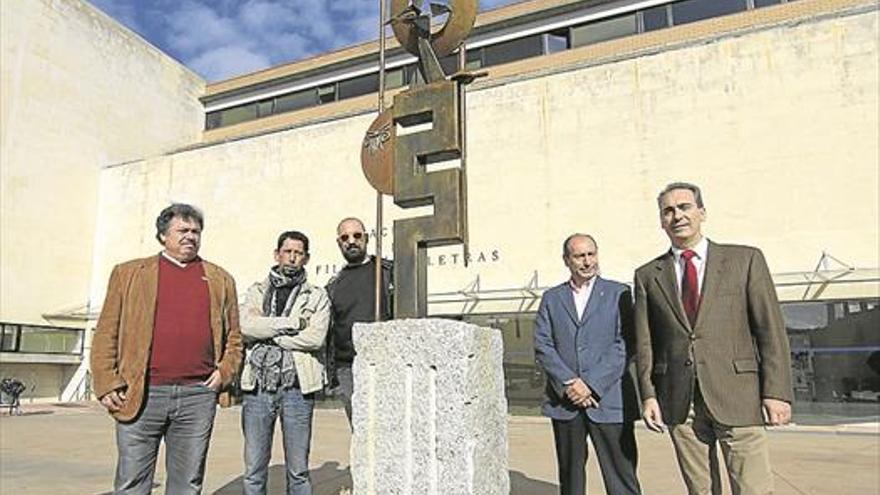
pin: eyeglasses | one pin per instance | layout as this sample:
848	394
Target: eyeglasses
356	236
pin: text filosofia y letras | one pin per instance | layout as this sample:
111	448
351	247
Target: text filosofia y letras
440	260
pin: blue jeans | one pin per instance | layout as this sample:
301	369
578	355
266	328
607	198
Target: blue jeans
184	416
258	414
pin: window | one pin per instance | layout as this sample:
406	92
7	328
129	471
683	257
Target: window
41	339
835	348
513	50
296	101
361	85
9	338
697	10
556	41
655	18
474	61
212	120
604	30
327	94
235	115
394	78
553	41
264	108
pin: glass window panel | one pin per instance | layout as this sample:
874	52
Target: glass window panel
238	114
697	10
327	94
513	50
50	340
805	316
296	101
212	120
394	78
474	59
361	85
604	30
655	18
264	108
556	41
449	64
8	338
835	360
764	3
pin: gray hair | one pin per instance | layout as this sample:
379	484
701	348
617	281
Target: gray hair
566	251
698	196
177	210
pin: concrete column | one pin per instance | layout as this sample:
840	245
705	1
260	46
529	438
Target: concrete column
429	411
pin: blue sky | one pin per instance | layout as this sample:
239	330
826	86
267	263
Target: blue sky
219	39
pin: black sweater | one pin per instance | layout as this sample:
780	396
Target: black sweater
352	297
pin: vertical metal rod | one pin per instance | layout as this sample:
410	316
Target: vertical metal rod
381	108
462	121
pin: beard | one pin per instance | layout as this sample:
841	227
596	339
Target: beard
354	254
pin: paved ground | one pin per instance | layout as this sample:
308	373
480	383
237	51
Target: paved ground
71	449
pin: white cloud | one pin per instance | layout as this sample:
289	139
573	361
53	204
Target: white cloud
227	61
225	38
194	28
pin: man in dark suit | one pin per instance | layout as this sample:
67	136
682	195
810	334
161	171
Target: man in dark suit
581	334
711	350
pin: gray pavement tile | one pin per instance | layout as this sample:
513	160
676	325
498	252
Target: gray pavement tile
71	450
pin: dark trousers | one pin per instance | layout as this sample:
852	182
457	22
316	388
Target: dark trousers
346	388
615	446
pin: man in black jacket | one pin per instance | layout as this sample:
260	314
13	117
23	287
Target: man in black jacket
352	294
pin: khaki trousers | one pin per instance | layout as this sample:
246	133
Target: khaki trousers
744	449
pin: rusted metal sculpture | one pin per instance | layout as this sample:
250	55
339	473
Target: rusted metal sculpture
399	163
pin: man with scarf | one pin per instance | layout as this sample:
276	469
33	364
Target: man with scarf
284	321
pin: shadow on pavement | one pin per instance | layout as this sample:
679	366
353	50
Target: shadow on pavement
520	484
329	479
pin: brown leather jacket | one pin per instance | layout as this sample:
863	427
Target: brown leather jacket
121	346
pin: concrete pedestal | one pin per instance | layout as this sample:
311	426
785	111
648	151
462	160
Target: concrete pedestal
429	411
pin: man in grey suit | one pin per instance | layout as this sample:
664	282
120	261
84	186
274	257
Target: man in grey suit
581	334
711	350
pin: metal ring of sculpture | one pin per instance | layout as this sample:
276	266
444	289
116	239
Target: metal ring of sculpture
462	14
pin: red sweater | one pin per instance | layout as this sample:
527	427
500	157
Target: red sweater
183	350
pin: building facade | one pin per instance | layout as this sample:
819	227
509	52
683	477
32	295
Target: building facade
588	110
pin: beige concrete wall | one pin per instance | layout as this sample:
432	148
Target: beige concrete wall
44	381
779	125
77	92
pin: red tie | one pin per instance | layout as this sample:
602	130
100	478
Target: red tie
690	290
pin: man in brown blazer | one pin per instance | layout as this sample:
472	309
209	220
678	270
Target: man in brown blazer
711	350
166	343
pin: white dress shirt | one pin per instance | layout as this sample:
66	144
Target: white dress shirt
699	261
581	295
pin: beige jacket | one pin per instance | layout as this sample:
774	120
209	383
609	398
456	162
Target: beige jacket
120	352
310	314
